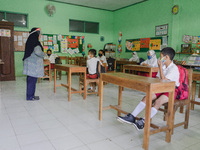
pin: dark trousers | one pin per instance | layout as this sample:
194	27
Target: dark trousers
31	84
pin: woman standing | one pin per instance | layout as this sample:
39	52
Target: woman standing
33	62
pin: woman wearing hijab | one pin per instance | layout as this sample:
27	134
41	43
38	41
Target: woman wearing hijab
134	57
151	62
33	62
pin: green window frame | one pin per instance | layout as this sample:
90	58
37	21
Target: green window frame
86	26
17	23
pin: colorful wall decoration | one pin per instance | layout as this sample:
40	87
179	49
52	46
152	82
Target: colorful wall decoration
63	43
144	44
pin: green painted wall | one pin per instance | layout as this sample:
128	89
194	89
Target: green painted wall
59	23
139	21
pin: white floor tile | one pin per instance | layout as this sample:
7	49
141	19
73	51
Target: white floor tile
45	145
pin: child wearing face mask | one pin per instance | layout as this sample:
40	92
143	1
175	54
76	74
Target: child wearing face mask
151	62
167	71
101	57
51	57
134	57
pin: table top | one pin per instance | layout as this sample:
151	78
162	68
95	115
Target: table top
196	76
140	67
67	67
125	62
139	83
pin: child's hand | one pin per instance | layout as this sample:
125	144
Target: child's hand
159	63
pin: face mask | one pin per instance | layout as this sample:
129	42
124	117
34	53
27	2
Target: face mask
149	57
100	55
88	56
163	61
48	54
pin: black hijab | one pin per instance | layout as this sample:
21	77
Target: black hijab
32	42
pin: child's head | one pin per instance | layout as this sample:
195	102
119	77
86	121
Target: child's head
151	54
49	52
101	53
167	54
92	53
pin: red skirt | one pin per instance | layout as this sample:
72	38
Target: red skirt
147	74
92	76
47	67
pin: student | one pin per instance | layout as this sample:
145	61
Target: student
51	57
101	57
92	68
88	57
151	62
167	71
151	59
134	57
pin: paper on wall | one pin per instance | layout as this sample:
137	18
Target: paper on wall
50	43
56	48
45	43
25	34
54	37
164	40
54	41
194	39
24	40
20	43
19	38
15	38
76	50
45	37
70	51
59	37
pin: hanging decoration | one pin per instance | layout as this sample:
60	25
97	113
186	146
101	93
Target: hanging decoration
119	49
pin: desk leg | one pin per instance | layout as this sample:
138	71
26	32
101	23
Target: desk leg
194	83
124	71
150	74
85	87
69	85
147	118
100	98
120	100
54	80
170	117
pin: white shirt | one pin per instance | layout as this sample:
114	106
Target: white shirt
153	62
134	58
51	58
92	65
103	58
171	73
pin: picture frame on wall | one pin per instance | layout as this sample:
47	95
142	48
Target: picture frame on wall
161	30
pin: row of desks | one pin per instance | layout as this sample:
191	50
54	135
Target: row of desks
140	83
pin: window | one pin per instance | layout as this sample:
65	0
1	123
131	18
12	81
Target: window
1	16
76	26
20	20
91	27
83	26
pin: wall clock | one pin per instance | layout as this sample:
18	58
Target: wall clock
175	9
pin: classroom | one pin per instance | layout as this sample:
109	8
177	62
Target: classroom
108	75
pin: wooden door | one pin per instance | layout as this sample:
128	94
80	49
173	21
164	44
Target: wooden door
7	69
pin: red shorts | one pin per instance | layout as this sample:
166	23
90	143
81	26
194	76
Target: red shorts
166	94
147	74
92	76
47	67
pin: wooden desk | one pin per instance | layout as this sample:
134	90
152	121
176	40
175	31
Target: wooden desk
144	84
195	78
125	62
141	68
70	69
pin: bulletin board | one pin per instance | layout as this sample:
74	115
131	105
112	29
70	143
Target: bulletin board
20	38
62	43
144	44
57	43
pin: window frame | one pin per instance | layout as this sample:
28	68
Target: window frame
27	21
84	26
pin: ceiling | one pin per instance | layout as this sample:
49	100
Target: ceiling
110	5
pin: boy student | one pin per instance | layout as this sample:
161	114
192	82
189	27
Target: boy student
167	71
92	68
51	57
101	57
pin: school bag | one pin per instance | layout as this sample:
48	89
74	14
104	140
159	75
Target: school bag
111	64
182	90
103	70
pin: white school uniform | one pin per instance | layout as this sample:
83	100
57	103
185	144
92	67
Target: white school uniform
51	58
103	58
171	73
92	65
153	62
134	57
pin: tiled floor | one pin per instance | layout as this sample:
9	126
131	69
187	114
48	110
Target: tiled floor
53	123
